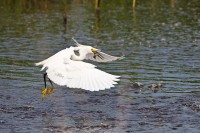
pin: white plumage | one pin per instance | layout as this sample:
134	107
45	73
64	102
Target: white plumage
67	68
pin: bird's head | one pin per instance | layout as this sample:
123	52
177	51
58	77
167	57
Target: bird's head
82	51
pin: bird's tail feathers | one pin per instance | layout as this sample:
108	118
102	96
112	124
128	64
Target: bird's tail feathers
41	63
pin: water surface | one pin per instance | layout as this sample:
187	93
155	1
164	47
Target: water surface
160	41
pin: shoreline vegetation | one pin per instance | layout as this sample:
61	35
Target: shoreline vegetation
98	7
25	6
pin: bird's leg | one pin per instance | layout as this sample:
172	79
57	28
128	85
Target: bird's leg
50	90
44	92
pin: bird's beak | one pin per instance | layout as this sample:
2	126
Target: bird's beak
96	53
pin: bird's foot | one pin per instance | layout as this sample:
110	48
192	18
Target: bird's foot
44	93
50	90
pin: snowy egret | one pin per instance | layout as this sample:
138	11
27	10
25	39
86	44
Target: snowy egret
66	68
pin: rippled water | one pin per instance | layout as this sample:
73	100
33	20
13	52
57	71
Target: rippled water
161	43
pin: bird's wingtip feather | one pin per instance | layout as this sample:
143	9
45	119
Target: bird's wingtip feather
78	44
37	64
121	57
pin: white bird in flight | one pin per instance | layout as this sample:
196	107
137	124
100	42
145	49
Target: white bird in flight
66	68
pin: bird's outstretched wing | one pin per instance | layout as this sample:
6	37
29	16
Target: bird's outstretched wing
102	57
78	74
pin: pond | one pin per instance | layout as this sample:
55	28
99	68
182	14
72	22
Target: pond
161	44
